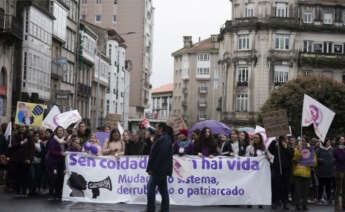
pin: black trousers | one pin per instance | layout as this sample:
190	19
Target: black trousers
22	176
280	188
301	190
56	176
325	184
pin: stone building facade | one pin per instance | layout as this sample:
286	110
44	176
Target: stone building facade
268	43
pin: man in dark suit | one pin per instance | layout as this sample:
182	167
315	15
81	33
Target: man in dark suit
159	167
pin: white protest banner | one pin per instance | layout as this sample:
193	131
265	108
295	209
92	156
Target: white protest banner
49	122
217	181
317	114
67	118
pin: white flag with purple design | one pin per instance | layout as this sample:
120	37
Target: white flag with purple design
318	115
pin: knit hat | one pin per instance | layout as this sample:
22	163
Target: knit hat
184	132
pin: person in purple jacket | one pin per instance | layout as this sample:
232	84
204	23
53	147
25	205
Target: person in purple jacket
339	155
56	153
183	146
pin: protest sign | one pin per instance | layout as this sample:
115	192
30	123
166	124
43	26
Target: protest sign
113	119
307	157
49	122
276	123
204	181
102	136
67	118
177	124
29	114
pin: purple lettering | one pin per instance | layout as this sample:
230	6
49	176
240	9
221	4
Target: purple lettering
102	163
73	160
82	161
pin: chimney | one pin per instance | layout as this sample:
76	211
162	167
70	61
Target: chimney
187	42
214	38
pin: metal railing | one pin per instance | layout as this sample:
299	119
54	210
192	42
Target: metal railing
9	24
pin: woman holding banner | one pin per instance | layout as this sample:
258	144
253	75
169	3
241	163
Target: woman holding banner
304	158
206	145
114	145
56	162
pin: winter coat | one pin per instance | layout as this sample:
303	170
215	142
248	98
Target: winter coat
161	158
189	150
339	155
325	162
286	156
242	147
54	156
299	170
22	151
134	148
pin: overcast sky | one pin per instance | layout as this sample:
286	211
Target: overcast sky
176	18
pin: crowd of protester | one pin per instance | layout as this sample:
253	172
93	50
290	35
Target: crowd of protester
33	162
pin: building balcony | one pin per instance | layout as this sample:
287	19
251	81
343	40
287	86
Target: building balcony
203	90
203	76
245	20
10	28
84	90
283	20
57	72
203	117
322	60
242	84
202	104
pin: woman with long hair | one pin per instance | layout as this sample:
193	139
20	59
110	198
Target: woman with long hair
206	145
56	162
244	138
114	145
258	147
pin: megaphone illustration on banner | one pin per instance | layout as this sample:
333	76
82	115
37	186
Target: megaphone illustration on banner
78	185
95	186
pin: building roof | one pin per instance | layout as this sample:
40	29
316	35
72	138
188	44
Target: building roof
202	46
164	89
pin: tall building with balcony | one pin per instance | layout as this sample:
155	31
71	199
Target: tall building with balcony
135	16
270	42
10	43
198	87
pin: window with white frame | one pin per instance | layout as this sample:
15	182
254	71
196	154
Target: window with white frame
203	71
203	57
242	74
114	19
243	42
202	114
328	47
308	46
282	42
281	74
203	86
327	18
308	17
202	99
250	10
242	102
282	10
98	18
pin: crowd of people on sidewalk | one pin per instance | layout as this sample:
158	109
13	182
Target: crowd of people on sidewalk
33	160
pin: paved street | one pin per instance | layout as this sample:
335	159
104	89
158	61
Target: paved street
8	203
